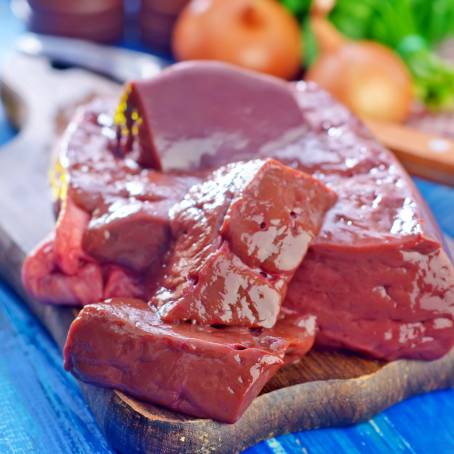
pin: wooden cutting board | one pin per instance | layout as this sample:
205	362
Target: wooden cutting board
325	389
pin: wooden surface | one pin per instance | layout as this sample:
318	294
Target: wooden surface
325	389
426	154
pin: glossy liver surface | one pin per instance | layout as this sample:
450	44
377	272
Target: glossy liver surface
179	204
199	370
378	263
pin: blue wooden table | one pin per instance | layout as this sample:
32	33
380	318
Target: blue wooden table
43	411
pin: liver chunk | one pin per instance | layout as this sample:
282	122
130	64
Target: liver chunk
133	234
379	263
240	235
113	225
201	371
46	283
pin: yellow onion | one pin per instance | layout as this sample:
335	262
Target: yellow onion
366	76
256	34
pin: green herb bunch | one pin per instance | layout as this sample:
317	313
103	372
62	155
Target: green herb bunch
410	27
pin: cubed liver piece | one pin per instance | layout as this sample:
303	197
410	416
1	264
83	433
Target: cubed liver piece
240	235
133	234
201	371
46	283
127	207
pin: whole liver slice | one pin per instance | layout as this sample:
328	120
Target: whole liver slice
378	264
201	371
240	235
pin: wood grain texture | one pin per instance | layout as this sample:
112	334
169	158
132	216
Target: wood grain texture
324	389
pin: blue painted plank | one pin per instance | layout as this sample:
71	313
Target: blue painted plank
10	29
7	132
41	407
440	199
423	424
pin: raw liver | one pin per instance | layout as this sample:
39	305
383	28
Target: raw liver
125	203
380	254
379	258
108	208
131	234
47	283
202	371
206	115
376	277
44	282
378	263
240	235
114	218
91	170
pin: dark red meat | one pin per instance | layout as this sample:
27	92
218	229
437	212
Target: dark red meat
376	276
202	371
115	213
44	282
240	235
132	234
113	226
216	113
379	257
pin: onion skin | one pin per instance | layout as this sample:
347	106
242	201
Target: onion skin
366	76
256	34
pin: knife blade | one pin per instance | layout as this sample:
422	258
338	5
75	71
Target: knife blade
115	63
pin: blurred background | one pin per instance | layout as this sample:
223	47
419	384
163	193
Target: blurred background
391	60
